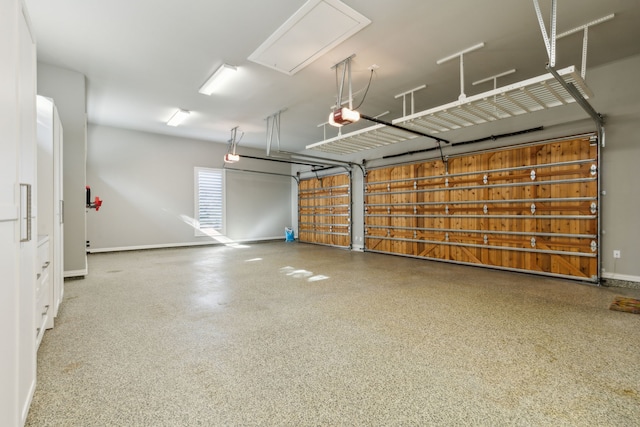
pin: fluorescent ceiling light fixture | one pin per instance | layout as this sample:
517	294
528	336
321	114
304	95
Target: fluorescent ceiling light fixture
217	79
343	116
178	117
317	27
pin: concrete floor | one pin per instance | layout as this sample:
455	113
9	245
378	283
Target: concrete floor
288	334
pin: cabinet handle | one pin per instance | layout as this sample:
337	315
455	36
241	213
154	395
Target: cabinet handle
46	309
46	264
25	212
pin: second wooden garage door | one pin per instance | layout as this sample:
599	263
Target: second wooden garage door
532	208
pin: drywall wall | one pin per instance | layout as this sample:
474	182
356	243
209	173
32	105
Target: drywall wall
147	183
67	89
617	97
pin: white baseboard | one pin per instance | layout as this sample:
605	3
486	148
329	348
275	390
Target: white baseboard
76	273
616	276
357	248
177	245
27	403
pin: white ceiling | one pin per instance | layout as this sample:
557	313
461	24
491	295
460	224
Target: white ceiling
143	59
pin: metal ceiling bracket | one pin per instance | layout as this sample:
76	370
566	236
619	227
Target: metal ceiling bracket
585	38
554	20
345	65
324	129
234	141
461	56
575	93
404	99
549	40
494	78
495	81
273	130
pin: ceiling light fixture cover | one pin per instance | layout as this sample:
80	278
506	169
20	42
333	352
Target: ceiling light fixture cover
178	117
317	27
217	79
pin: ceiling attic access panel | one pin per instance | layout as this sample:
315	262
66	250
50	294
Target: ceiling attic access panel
527	96
317	27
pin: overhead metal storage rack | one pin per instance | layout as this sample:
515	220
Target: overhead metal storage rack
527	96
363	139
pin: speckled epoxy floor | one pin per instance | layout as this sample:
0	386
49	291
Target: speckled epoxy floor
288	334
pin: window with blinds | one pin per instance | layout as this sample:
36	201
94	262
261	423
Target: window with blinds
209	200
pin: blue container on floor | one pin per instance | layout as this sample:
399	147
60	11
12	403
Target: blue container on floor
288	234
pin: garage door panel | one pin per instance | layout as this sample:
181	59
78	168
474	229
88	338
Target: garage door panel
324	210
530	208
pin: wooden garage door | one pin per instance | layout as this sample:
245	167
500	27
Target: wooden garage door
324	210
533	208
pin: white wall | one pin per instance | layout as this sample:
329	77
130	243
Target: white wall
146	181
68	91
617	97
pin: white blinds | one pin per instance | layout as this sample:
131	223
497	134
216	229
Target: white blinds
210	198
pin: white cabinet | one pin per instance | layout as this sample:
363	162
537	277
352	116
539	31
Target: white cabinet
18	206
50	203
44	307
27	353
9	213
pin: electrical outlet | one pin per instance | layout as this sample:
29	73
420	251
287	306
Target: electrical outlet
616	254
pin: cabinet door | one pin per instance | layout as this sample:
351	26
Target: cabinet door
17	251
27	176
58	226
9	246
